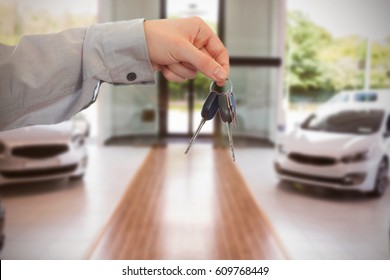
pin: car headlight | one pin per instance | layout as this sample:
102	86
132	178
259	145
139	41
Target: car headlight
356	157
78	140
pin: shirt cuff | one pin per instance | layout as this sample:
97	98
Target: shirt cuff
126	53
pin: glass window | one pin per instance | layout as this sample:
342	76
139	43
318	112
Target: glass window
129	110
22	17
255	93
388	125
134	111
206	9
181	96
366	97
252	28
346	121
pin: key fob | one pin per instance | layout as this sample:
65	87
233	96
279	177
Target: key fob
224	110
210	106
232	100
233	108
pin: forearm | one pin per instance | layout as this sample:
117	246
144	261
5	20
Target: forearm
49	78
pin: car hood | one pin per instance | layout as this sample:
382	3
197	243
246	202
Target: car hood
38	134
325	143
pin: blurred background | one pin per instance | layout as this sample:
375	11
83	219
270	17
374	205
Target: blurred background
289	60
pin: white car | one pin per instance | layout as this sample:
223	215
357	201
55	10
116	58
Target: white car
43	152
345	144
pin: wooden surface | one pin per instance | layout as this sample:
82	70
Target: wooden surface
194	206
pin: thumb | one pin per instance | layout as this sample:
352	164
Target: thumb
204	63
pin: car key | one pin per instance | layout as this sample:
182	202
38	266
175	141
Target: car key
227	109
209	110
228	115
232	106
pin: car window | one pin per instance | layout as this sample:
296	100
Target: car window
346	121
388	124
366	97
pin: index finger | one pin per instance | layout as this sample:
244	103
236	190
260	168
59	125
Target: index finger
225	65
208	40
217	50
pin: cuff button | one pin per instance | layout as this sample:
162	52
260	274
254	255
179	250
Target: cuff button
131	76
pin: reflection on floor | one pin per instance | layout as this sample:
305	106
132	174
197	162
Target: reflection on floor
60	219
188	207
316	223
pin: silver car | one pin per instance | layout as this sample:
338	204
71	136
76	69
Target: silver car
43	152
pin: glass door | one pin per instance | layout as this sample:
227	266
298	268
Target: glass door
256	48
185	100
253	32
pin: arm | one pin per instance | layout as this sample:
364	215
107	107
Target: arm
48	78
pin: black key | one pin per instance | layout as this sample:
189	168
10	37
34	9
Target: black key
227	111
224	110
209	110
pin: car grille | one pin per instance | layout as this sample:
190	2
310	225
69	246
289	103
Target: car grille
331	180
312	160
38	172
39	151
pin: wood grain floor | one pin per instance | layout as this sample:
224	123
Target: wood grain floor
194	206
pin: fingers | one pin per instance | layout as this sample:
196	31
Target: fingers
178	72
184	70
180	47
206	52
203	62
207	40
171	76
224	65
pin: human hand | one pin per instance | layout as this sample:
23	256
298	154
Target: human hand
181	47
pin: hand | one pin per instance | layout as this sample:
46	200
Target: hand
181	47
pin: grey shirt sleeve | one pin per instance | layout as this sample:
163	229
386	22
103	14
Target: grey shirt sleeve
47	79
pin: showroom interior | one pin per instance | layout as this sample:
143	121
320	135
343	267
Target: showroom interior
141	197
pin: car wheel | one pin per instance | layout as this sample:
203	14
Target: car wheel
381	179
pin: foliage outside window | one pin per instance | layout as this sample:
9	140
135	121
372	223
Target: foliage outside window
18	19
319	65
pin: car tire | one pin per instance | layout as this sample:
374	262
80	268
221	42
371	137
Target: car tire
381	179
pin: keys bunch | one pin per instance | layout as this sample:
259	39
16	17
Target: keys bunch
219	99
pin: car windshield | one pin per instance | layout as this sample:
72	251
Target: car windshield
348	121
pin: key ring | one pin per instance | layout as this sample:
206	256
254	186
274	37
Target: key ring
213	84
220	99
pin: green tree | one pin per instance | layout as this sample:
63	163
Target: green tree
16	20
343	62
380	65
305	40
319	65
